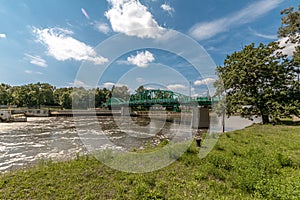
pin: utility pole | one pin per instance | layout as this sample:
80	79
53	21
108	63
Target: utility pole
223	122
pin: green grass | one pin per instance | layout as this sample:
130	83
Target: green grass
259	162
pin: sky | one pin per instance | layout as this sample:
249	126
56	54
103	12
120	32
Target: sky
129	42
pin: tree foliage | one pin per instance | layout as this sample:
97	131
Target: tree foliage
121	92
260	80
44	94
257	81
290	29
290	25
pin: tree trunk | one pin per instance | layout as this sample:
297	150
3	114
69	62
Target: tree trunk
265	119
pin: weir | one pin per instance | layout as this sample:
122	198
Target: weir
199	116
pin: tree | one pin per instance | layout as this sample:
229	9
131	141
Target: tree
140	89
5	94
62	96
290	29
257	81
290	25
121	92
46	94
101	96
80	98
17	96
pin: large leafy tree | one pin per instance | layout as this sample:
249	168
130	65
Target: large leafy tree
290	29
257	81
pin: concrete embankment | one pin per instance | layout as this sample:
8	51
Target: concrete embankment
71	113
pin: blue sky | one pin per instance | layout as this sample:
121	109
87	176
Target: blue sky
49	40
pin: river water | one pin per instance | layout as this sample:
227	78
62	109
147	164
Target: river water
26	143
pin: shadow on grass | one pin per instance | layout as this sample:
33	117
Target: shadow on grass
289	122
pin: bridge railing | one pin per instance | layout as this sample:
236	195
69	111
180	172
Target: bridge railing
198	100
165	98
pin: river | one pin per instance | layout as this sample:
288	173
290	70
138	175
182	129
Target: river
26	143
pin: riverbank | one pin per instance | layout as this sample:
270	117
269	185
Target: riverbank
261	162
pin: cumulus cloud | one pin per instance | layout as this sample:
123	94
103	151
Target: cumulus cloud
177	87
62	46
102	27
78	83
167	8
204	81
142	59
36	60
132	18
109	85
206	30
2	35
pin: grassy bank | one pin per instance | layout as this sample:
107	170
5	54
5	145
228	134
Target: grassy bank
260	162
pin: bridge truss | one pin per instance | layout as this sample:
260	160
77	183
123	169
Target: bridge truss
165	98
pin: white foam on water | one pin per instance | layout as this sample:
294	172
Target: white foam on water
38	145
2	148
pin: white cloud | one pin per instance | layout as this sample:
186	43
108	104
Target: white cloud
102	27
142	59
109	85
132	18
78	83
204	81
288	47
36	60
85	13
140	80
271	37
63	47
32	72
177	87
2	35
206	30
150	88
167	8
123	62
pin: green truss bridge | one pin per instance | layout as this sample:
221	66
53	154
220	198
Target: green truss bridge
165	98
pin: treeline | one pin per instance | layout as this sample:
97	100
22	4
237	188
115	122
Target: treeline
43	94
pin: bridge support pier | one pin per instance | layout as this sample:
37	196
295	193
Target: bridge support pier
200	118
125	111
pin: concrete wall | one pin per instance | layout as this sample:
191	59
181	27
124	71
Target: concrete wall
5	115
125	111
200	118
296	119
